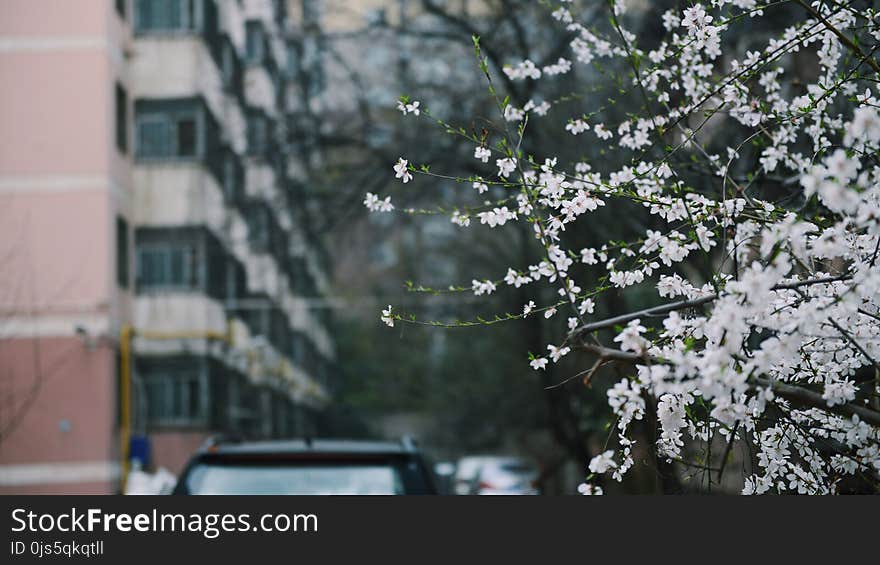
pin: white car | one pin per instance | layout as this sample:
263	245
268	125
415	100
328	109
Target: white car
492	474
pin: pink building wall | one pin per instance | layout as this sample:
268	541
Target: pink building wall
53	17
54	103
61	415
63	182
59	169
54	248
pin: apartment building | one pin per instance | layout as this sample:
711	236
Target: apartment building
158	282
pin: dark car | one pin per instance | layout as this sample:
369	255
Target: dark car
302	467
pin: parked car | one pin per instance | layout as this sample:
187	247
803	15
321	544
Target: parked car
489	474
304	467
466	473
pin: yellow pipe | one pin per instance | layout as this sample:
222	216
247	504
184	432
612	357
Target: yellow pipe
218	336
125	399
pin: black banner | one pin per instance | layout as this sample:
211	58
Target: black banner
409	529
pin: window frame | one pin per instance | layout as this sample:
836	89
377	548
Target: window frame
174	387
191	17
164	250
171	121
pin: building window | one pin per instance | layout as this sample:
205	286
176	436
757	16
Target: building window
258	134
165	15
174	398
154	137
167	266
230	67
122	262
230	179
186	137
259	229
167	135
254	42
121	119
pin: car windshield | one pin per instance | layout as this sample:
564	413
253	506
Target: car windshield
211	478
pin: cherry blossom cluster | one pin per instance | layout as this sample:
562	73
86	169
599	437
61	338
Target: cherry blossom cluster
775	345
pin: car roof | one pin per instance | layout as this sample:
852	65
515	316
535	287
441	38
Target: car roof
317	446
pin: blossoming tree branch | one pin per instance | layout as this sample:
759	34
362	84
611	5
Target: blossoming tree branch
767	175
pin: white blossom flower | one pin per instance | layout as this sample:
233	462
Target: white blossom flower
409	108
602	462
374	204
506	166
631	339
577	126
460	219
513	114
557	353
587	489
496	216
480	187
401	169
587	306
387	317
482	287
523	70
482	153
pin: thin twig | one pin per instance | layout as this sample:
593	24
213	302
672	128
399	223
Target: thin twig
589	374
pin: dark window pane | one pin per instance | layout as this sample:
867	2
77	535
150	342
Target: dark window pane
230	182
178	408
177	267
159	15
122	252
150	271
193	409
173	14
161	260
167	266
153	138
121	119
155	398
254	42
257	134
228	63
143	15
192	268
186	137
190	7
